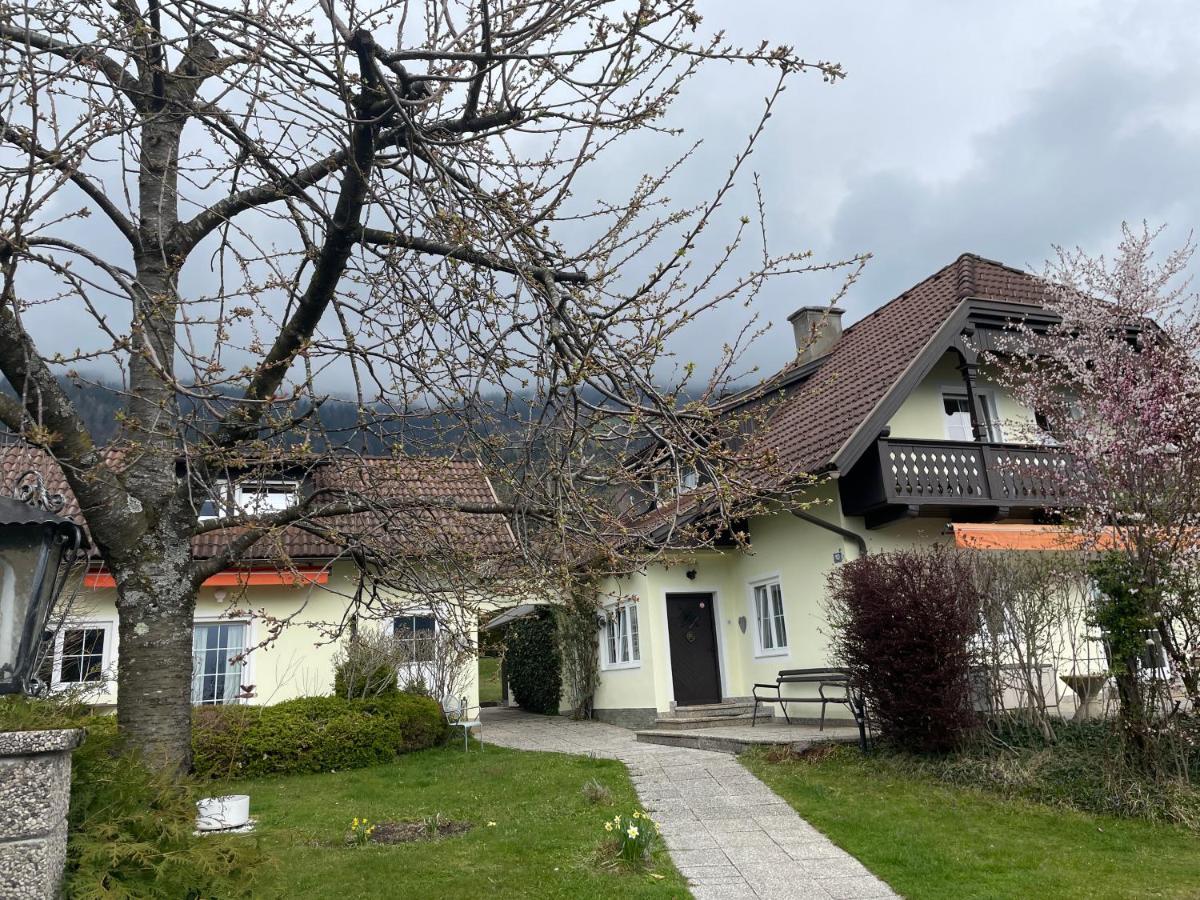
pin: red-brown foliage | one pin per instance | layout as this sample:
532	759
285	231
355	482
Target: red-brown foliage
903	623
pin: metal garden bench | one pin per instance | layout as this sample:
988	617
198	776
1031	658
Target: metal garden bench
829	678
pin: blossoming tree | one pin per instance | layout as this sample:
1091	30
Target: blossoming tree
1116	383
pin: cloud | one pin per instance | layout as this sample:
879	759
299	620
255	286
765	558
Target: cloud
1093	146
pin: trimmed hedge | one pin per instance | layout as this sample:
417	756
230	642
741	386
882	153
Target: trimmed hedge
312	734
533	664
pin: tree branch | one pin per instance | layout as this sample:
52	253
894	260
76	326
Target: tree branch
19	137
284	185
61	430
379	237
340	237
87	53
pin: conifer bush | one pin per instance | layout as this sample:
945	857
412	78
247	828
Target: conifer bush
533	663
132	828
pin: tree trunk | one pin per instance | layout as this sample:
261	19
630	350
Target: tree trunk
156	604
156	597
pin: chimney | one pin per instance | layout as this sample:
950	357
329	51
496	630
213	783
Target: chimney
817	329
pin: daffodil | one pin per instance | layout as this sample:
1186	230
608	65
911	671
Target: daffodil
491	824
632	832
354	824
608	826
636	814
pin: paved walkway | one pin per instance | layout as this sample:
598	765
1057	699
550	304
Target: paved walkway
727	832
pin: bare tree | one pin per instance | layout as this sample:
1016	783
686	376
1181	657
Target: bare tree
281	197
1034	614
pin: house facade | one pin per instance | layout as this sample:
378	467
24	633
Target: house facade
299	578
911	441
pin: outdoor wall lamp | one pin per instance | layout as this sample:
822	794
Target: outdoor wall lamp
37	551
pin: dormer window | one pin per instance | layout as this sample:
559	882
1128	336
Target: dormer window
250	498
666	486
690	480
254	497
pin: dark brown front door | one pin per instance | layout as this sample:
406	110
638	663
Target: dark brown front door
692	633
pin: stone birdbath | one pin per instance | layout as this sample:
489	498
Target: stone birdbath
1087	688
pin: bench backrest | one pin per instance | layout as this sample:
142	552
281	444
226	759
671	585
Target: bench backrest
798	676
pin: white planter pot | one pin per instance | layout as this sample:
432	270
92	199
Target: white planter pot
222	813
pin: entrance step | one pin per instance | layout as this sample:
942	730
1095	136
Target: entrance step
702	722
737	740
704	710
711	715
696	741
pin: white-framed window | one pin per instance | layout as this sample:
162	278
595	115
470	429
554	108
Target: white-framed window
250	497
770	620
956	411
620	645
82	654
218	668
417	633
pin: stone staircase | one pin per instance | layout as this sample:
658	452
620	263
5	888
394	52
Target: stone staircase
712	715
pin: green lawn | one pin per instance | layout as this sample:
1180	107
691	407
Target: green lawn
544	843
930	840
489	679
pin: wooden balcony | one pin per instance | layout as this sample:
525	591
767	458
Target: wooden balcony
962	480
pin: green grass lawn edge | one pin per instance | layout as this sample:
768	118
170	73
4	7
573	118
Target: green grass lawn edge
930	840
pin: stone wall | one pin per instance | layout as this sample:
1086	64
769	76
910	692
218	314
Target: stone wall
627	718
35	790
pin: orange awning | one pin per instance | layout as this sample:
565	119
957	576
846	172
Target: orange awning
235	578
1005	536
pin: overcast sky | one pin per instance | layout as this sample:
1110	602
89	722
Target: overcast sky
998	128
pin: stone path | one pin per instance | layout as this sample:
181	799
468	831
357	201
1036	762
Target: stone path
727	832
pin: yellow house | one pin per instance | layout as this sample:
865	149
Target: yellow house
906	432
306	582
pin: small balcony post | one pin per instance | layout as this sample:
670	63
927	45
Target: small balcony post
978	426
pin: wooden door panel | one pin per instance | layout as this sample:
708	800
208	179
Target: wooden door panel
692	636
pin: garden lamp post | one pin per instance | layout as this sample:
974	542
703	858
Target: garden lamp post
38	549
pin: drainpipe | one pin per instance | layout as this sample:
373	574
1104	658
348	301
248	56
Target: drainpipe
858	539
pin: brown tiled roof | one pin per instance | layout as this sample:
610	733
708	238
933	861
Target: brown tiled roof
816	418
819	405
407	490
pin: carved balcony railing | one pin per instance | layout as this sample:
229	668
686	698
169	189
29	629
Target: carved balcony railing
948	475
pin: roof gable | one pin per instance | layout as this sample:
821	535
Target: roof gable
814	426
